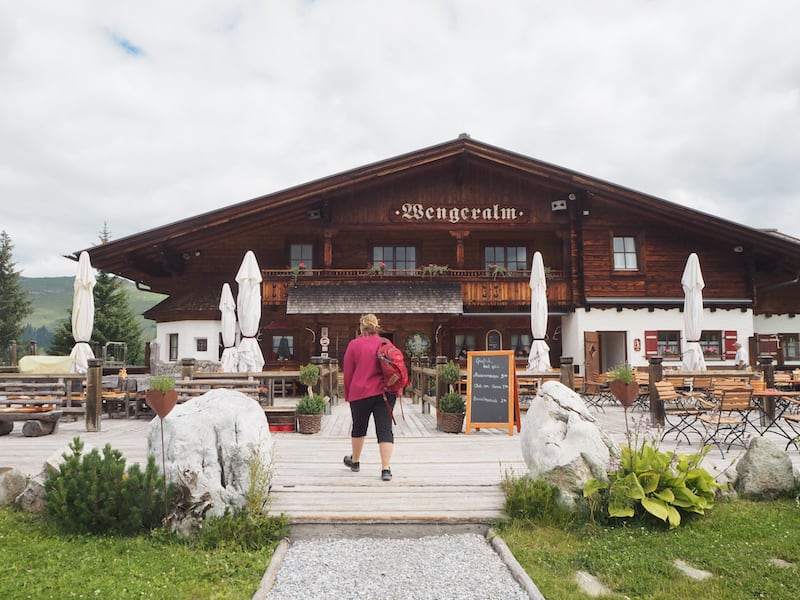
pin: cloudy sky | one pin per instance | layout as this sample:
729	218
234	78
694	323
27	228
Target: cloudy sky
137	114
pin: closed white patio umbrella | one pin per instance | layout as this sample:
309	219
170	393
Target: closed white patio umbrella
539	357
227	307
248	306
82	315
693	284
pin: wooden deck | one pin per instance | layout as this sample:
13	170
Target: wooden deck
438	477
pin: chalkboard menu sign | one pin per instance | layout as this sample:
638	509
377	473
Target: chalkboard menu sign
492	399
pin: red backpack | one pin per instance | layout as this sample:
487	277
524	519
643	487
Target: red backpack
395	373
393	367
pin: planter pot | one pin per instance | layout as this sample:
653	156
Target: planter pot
161	402
309	423
626	393
452	422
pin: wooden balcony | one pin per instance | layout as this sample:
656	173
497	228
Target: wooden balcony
478	287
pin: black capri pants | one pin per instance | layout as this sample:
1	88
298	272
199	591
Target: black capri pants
382	415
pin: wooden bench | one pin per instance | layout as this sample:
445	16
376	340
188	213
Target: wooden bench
27	393
38	420
192	388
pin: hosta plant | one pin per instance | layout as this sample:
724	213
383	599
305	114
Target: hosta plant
649	481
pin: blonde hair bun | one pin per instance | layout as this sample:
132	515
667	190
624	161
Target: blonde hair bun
369	323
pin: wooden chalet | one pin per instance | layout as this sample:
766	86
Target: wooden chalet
438	243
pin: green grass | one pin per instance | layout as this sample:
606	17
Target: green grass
36	561
734	541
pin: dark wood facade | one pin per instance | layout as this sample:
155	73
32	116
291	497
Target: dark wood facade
451	203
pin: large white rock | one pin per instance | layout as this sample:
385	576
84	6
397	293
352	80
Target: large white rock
210	442
764	472
562	442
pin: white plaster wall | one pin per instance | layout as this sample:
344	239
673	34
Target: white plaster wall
635	322
188	332
776	324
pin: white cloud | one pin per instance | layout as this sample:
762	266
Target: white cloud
225	101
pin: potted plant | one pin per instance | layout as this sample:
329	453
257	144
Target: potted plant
453	407
376	269
309	376
161	395
309	413
622	383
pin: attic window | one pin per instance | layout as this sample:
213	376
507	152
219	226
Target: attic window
625	254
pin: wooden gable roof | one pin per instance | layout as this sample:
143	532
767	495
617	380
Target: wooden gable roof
158	257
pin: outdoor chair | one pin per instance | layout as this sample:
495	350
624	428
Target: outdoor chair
643	399
680	409
726	422
596	392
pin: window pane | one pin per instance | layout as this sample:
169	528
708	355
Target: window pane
398	259
711	343
283	347
464	344
625	254
301	253
669	344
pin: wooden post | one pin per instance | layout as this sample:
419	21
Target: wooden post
768	370
187	368
658	416
441	389
334	364
567	372
94	394
13	353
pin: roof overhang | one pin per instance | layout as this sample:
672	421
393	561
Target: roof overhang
379	298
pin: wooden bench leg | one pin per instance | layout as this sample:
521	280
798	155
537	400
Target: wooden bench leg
37	428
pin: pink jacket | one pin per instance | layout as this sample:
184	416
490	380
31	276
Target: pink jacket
362	372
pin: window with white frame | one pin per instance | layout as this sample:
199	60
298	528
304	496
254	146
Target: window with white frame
711	343
669	344
625	255
521	344
790	342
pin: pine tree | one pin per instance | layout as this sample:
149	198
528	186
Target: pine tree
15	303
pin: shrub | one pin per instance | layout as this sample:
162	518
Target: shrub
452	402
450	373
533	500
650	482
312	404
309	374
95	494
242	531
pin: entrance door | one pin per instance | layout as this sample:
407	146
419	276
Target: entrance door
591	354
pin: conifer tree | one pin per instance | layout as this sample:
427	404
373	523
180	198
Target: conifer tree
15	302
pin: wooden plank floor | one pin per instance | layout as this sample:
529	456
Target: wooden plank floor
437	477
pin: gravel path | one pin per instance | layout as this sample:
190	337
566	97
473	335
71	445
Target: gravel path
441	567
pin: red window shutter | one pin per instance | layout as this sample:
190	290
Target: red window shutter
651	343
767	344
729	340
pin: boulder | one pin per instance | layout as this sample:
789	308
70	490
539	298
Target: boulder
210	444
562	442
33	498
12	482
764	472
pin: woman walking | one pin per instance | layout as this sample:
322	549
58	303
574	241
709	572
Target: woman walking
363	391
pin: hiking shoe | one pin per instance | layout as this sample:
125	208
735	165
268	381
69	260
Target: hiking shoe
355	467
386	474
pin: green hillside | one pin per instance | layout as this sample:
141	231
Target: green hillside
52	299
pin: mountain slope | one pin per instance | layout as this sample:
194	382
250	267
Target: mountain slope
52	299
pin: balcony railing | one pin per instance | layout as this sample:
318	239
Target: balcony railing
478	287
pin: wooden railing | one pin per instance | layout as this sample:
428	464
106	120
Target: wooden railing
478	287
